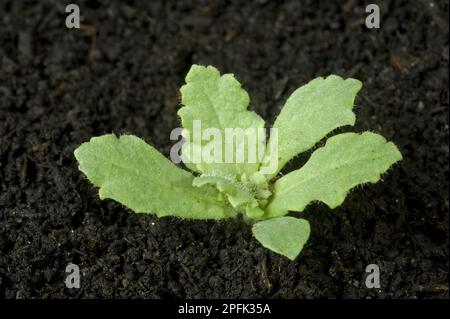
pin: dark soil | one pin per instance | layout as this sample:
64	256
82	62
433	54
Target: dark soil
121	73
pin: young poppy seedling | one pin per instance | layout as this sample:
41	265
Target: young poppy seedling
135	174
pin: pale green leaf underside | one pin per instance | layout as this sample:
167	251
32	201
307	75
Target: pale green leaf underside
346	161
130	171
218	102
283	235
313	111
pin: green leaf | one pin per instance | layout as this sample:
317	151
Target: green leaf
345	161
238	194
218	102
313	111
136	175
283	235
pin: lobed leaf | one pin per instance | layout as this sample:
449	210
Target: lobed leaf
345	161
218	102
313	111
130	171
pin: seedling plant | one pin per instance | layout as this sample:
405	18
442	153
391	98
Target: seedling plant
133	173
